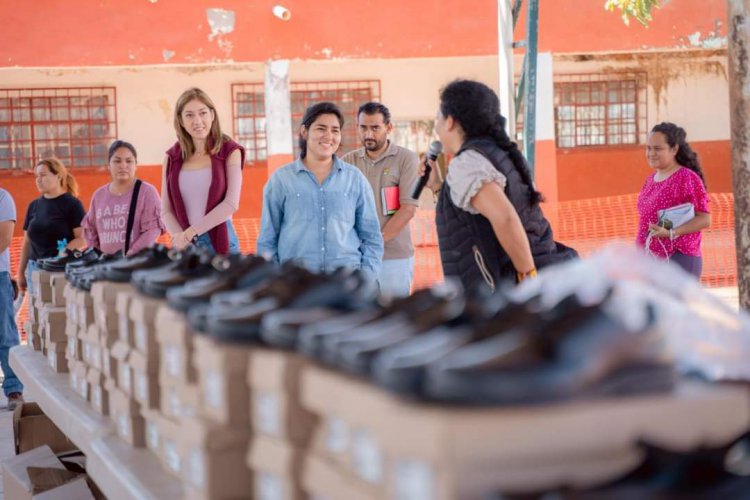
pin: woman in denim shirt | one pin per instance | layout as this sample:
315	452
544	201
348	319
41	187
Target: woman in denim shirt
319	210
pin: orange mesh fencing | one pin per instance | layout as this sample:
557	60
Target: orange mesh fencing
585	225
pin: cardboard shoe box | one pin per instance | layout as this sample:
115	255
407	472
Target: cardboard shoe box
119	365
222	378
39	475
99	394
41	286
92	351
170	433
142	312
454	452
277	467
179	401
322	479
58	283
145	381
32	428
125	329
104	297
57	356
84	308
126	414
153	436
53	320
213	461
175	338
109	365
274	379
32	335
75	349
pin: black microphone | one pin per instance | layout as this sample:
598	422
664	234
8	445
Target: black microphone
435	149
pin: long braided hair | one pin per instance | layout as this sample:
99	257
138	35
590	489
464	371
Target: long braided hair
476	108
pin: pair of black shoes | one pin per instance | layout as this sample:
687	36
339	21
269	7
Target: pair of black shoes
120	271
182	266
231	272
521	355
351	342
84	272
237	316
73	258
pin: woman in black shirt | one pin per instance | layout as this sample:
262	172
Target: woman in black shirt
53	221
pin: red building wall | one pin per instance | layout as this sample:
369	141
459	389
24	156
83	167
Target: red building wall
126	32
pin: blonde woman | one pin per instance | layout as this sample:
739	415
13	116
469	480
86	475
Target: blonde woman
53	221
201	178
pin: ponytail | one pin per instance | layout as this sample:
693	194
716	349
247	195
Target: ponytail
67	181
70	184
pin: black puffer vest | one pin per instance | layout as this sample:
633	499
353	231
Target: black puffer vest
468	246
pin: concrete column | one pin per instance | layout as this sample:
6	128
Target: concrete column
505	64
738	13
279	133
545	173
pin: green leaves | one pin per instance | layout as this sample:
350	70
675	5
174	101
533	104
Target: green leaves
639	9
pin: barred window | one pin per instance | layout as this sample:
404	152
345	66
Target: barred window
600	110
74	124
249	115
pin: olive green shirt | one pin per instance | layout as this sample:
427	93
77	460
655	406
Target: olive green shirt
397	166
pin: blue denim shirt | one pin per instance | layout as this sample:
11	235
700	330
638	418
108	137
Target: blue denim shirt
321	226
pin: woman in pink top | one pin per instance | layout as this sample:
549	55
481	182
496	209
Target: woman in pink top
678	179
106	221
202	178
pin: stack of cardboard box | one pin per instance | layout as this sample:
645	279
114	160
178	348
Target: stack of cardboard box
282	427
215	440
389	447
47	313
74	351
133	360
81	353
101	337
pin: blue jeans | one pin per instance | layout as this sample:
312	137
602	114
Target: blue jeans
8	334
204	241
396	276
30	267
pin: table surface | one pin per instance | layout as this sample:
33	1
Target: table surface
120	471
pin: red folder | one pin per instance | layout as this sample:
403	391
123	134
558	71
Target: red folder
389	197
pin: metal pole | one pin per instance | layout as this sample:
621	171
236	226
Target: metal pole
739	102
505	64
529	103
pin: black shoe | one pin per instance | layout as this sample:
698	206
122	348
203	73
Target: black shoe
294	287
148	258
87	258
230	270
353	351
58	264
342	294
584	353
189	264
401	368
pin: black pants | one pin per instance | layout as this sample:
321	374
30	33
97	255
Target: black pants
690	263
